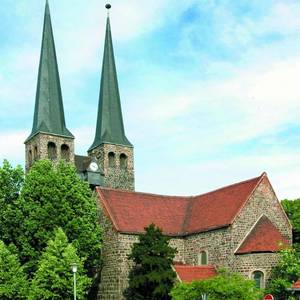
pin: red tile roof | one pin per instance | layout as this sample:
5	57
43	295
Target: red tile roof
264	237
130	212
296	285
187	273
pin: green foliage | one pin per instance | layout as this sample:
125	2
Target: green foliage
152	277
54	278
13	281
11	181
292	209
225	286
54	196
285	273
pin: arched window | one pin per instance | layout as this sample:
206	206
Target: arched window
258	277
123	161
52	154
35	155
65	152
203	258
111	159
30	157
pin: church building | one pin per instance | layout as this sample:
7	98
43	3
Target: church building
240	227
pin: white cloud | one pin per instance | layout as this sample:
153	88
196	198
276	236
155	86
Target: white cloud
12	147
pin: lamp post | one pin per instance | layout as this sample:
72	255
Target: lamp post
74	270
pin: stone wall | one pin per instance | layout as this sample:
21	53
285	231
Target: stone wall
115	175
216	243
37	148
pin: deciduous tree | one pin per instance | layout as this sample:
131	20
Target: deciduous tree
13	281
54	279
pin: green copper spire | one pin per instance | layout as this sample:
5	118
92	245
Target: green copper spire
49	111
110	127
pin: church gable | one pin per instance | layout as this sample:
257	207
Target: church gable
264	237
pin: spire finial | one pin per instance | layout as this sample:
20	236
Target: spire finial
108	7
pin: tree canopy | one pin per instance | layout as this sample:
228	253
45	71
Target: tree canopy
54	279
49	197
152	276
225	286
292	209
285	273
13	281
54	196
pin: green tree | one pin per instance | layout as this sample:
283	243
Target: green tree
54	279
13	281
152	277
51	197
285	273
292	209
225	286
11	181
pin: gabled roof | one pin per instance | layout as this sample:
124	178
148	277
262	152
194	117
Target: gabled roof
130	212
264	237
49	111
187	273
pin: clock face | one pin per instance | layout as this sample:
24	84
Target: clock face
94	166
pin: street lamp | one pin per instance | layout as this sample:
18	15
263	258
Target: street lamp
74	270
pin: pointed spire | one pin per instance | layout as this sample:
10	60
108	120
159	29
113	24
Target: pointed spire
110	127
49	111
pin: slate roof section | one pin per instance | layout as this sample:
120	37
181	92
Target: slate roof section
130	212
264	237
188	273
49	111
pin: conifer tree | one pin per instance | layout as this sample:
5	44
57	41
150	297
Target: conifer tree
54	278
152	277
13	281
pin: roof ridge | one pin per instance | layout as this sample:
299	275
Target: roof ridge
231	185
145	193
184	197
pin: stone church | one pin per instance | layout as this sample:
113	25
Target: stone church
240	226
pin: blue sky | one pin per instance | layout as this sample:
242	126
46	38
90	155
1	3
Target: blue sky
210	89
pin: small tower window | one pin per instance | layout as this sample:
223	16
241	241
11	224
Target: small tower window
52	154
65	152
123	161
30	157
258	277
35	155
111	159
203	258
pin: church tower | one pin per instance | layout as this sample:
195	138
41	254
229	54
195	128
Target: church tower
111	147
50	138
